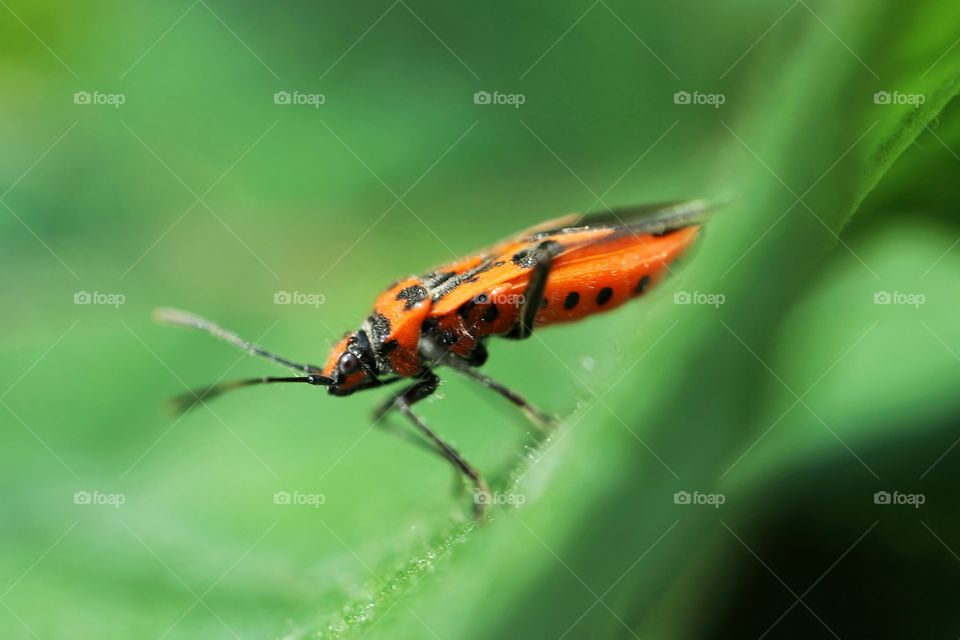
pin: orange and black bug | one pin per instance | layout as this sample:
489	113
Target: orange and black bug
559	271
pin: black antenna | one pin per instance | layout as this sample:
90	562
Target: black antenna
190	399
191	321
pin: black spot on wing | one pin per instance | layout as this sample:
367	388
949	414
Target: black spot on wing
414	295
642	285
571	301
603	297
491	314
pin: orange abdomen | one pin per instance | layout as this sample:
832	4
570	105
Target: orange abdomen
596	278
587	283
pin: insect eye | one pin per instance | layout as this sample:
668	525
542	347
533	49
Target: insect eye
348	363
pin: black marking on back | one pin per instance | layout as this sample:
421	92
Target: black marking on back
414	295
467	276
379	327
572	300
436	278
527	258
491	314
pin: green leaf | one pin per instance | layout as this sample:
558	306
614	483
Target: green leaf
660	397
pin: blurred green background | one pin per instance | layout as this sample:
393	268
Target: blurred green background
148	160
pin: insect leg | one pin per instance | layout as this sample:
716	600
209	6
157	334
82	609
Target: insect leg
380	415
403	402
533	296
537	417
